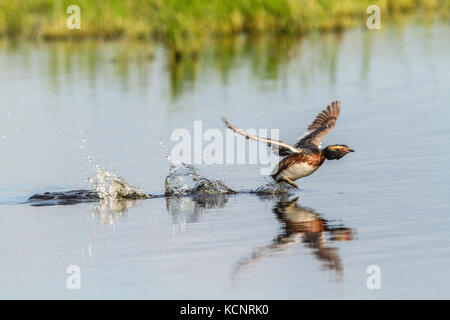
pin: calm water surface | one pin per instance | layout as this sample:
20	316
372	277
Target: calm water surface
387	204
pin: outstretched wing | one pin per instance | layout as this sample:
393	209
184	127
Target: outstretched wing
278	147
321	126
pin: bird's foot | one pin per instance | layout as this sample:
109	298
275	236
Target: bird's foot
292	183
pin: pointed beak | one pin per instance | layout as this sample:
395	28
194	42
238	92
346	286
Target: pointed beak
350	150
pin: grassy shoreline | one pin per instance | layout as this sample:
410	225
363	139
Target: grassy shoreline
184	24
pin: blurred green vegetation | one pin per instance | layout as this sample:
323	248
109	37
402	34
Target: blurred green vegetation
184	24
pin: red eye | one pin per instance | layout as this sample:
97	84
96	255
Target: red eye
342	149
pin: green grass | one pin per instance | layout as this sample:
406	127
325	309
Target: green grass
184	24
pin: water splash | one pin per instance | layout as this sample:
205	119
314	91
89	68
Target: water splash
110	186
272	188
165	149
107	184
184	179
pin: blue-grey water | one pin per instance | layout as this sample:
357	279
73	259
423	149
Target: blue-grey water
387	204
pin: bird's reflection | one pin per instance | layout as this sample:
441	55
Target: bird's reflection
298	225
302	225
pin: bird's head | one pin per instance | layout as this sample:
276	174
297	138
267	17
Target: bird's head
337	151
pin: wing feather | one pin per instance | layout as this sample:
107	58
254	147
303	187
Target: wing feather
278	147
321	126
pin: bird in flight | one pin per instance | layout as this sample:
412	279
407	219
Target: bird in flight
306	156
